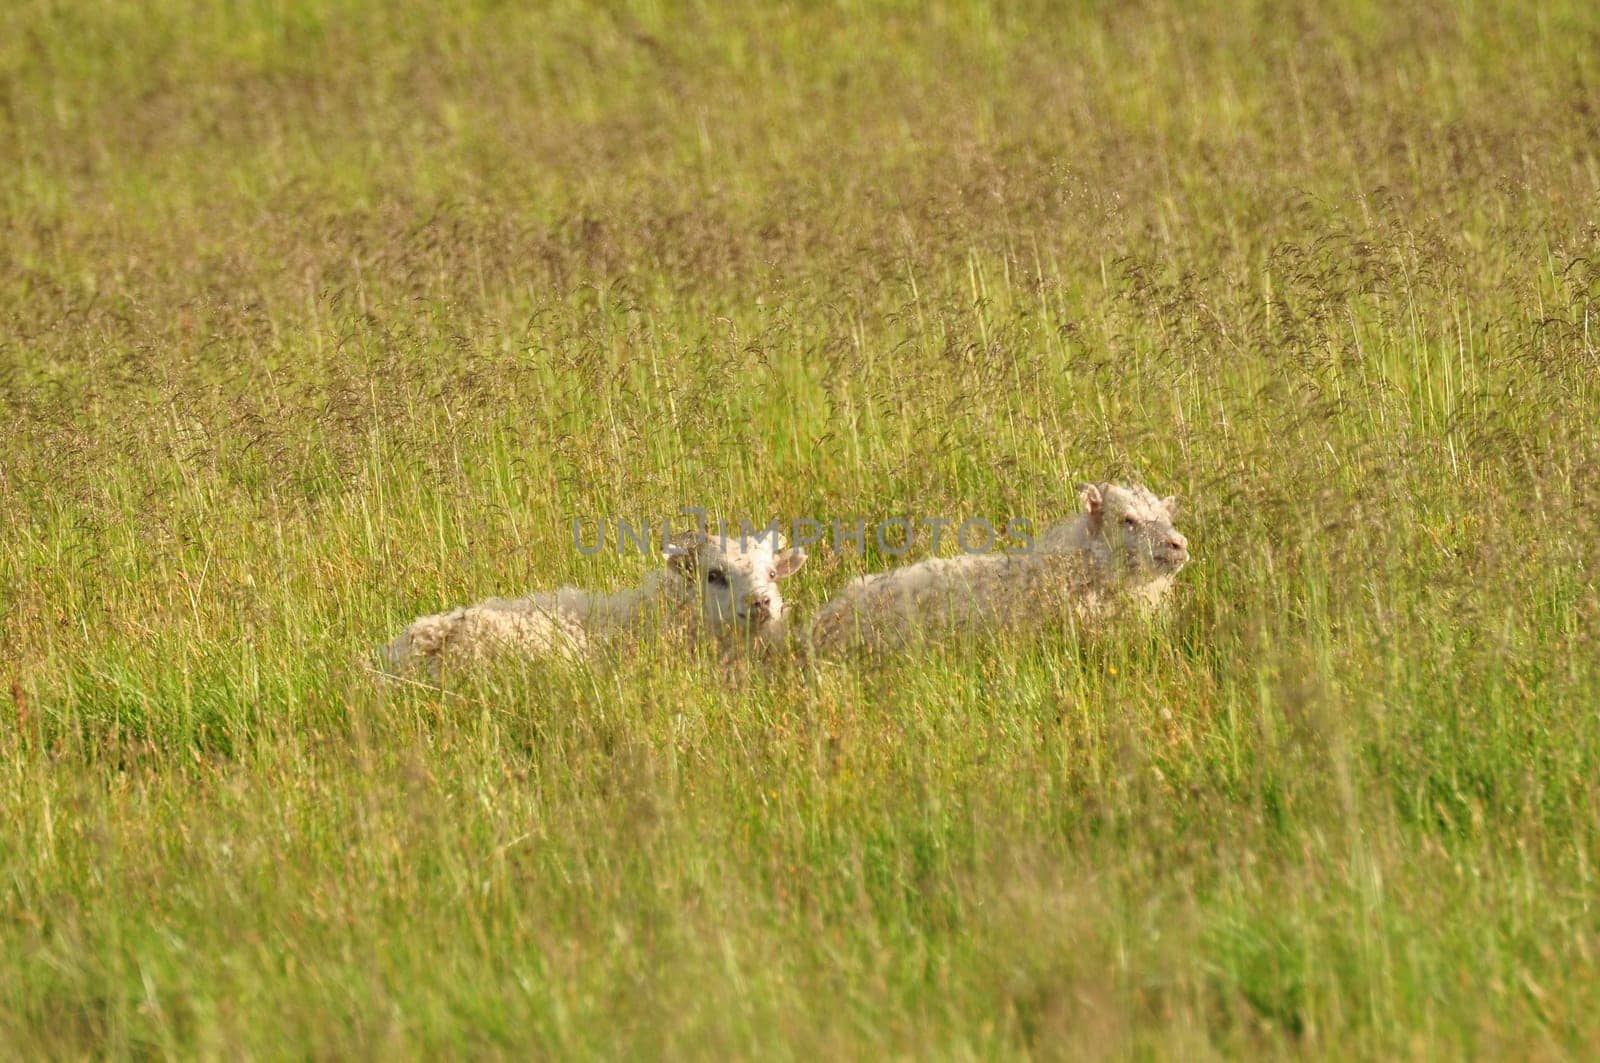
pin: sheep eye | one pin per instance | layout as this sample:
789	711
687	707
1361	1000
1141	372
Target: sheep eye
717	576
1129	522
772	573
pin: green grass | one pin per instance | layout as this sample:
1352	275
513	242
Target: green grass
314	317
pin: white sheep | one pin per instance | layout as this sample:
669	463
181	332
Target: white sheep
1122	545
719	586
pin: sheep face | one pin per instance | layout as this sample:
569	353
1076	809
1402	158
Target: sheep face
736	579
1136	526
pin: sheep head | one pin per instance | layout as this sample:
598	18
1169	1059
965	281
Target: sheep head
1136	526
735	578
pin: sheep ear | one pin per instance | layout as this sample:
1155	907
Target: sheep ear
680	560
1089	495
682	552
1170	504
789	562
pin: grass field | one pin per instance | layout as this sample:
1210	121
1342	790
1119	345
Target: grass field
318	316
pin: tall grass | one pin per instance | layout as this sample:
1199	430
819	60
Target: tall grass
317	316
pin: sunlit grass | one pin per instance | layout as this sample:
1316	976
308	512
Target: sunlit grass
320	316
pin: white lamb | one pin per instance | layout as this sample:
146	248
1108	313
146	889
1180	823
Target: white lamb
715	586
1122	546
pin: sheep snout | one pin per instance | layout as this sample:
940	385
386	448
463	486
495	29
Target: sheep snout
759	609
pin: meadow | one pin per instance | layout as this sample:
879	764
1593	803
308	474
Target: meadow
316	316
